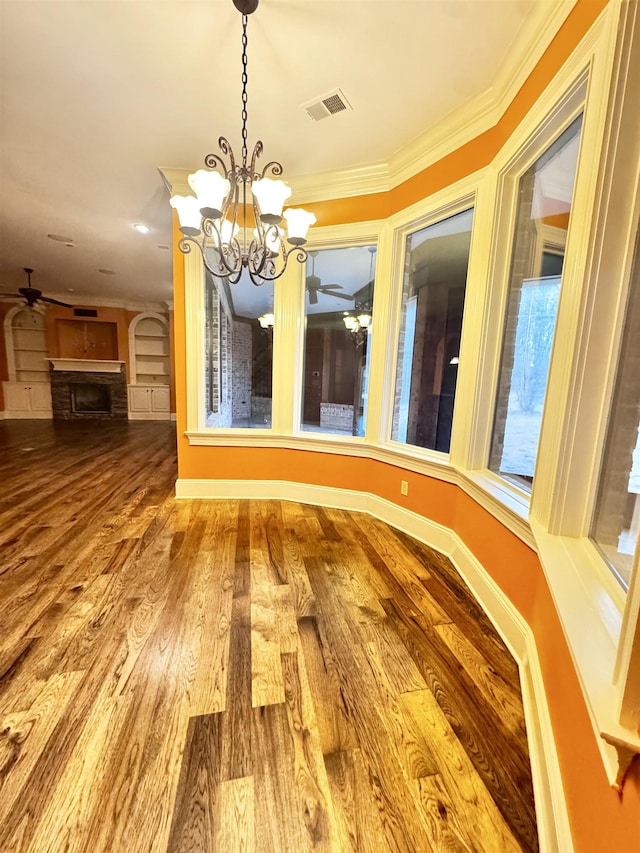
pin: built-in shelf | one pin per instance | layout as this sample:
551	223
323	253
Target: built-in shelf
149	349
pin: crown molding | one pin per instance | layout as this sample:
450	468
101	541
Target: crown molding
101	302
459	127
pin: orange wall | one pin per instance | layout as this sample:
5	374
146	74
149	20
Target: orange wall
4	371
601	822
172	365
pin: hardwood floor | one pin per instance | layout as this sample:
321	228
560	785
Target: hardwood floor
234	675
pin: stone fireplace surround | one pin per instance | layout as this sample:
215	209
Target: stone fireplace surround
66	372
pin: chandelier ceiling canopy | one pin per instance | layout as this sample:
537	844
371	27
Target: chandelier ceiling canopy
235	215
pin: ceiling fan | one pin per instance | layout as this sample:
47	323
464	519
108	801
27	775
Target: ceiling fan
32	294
314	285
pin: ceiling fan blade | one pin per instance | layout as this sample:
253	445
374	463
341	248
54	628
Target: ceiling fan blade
331	287
54	301
313	297
4	295
341	295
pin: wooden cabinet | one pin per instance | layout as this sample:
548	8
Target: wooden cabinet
149	354
27	399
149	402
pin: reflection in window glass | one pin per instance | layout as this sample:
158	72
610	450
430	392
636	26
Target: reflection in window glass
544	207
435	278
338	314
238	353
617	518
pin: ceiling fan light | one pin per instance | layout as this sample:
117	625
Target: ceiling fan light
298	223
189	216
211	189
271	196
266	321
350	322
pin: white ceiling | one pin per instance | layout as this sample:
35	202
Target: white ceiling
96	95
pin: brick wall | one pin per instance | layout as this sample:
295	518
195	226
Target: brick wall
241	369
407	293
336	416
62	380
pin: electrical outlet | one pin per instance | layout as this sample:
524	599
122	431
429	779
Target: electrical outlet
404	487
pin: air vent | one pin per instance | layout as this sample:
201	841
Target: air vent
327	105
85	312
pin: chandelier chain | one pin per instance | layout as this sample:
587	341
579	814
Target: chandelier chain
218	220
244	90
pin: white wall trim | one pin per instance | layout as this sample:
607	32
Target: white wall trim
26	415
103	302
149	416
552	818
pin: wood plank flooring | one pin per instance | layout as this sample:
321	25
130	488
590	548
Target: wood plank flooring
189	676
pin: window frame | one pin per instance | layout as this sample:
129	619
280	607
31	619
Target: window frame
323	239
590	603
457	199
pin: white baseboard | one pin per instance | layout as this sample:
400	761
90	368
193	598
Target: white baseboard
552	817
25	415
149	416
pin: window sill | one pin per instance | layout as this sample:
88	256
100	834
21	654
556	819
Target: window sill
590	604
419	461
504	501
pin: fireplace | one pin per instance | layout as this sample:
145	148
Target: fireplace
88	388
90	398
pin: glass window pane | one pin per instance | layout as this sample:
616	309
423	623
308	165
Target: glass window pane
238	353
544	205
338	313
436	262
617	517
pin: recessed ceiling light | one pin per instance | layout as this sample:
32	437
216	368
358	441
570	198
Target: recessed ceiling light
71	289
143	229
59	238
107	272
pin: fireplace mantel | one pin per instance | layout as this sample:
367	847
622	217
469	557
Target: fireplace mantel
86	365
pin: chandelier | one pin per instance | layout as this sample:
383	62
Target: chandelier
234	218
358	323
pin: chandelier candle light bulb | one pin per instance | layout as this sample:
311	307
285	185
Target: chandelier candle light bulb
211	190
218	216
